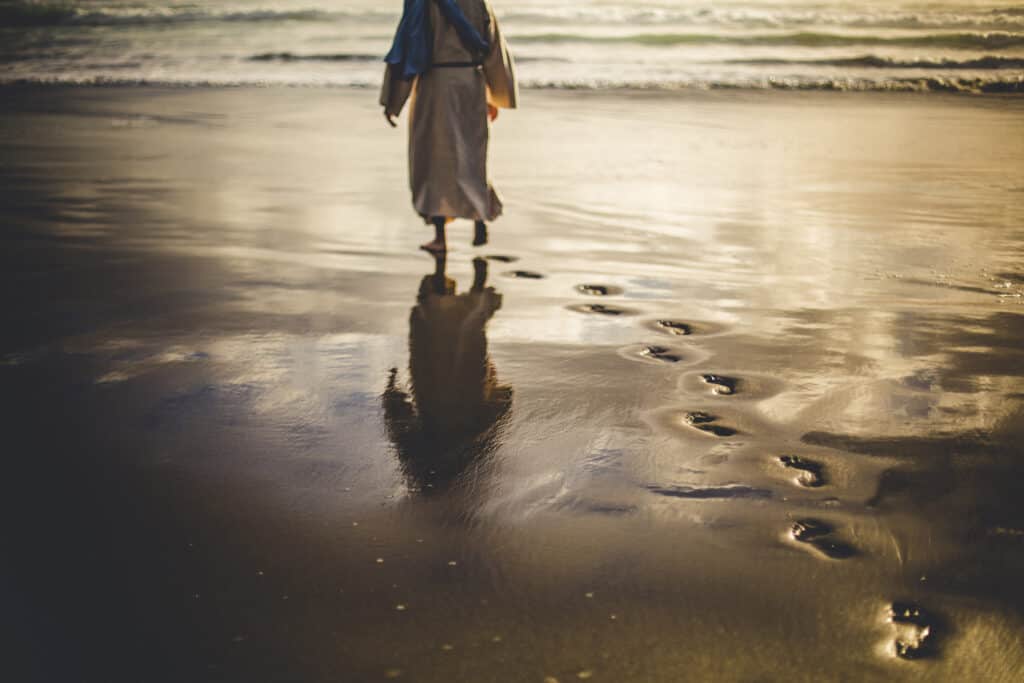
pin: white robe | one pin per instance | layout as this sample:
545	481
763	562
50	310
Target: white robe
448	124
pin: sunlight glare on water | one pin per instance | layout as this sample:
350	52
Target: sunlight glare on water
561	44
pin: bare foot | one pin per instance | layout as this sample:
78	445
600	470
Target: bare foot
435	247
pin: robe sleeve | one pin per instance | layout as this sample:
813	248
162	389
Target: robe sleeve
500	70
395	91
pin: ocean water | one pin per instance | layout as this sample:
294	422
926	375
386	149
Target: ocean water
943	45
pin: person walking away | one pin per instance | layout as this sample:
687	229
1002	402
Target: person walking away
450	59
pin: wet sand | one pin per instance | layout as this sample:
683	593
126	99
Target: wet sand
734	393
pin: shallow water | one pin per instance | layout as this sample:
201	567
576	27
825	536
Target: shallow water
944	45
759	419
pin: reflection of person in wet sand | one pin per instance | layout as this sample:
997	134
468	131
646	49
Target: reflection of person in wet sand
454	408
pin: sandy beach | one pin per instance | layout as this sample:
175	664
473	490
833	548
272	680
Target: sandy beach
746	387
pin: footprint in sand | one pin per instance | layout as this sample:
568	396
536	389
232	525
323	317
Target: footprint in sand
706	423
675	327
748	388
598	290
811	473
915	630
600	309
679	328
654	353
502	259
723	386
525	275
660	353
815	533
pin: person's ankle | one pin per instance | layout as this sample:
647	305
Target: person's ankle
479	233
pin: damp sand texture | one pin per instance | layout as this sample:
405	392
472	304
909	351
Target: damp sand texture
759	418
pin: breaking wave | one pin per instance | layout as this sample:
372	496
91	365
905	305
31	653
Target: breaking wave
286	57
967	86
27	13
962	41
292	57
875	62
21	14
973	86
775	17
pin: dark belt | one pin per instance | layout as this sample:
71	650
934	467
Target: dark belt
456	65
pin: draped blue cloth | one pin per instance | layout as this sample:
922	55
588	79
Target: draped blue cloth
411	50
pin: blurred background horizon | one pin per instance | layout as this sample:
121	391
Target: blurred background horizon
947	46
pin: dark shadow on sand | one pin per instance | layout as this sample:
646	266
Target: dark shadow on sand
710	492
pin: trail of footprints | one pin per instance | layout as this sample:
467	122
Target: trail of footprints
914	629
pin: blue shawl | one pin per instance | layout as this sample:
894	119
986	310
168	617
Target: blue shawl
411	50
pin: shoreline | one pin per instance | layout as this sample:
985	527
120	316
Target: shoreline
1008	89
